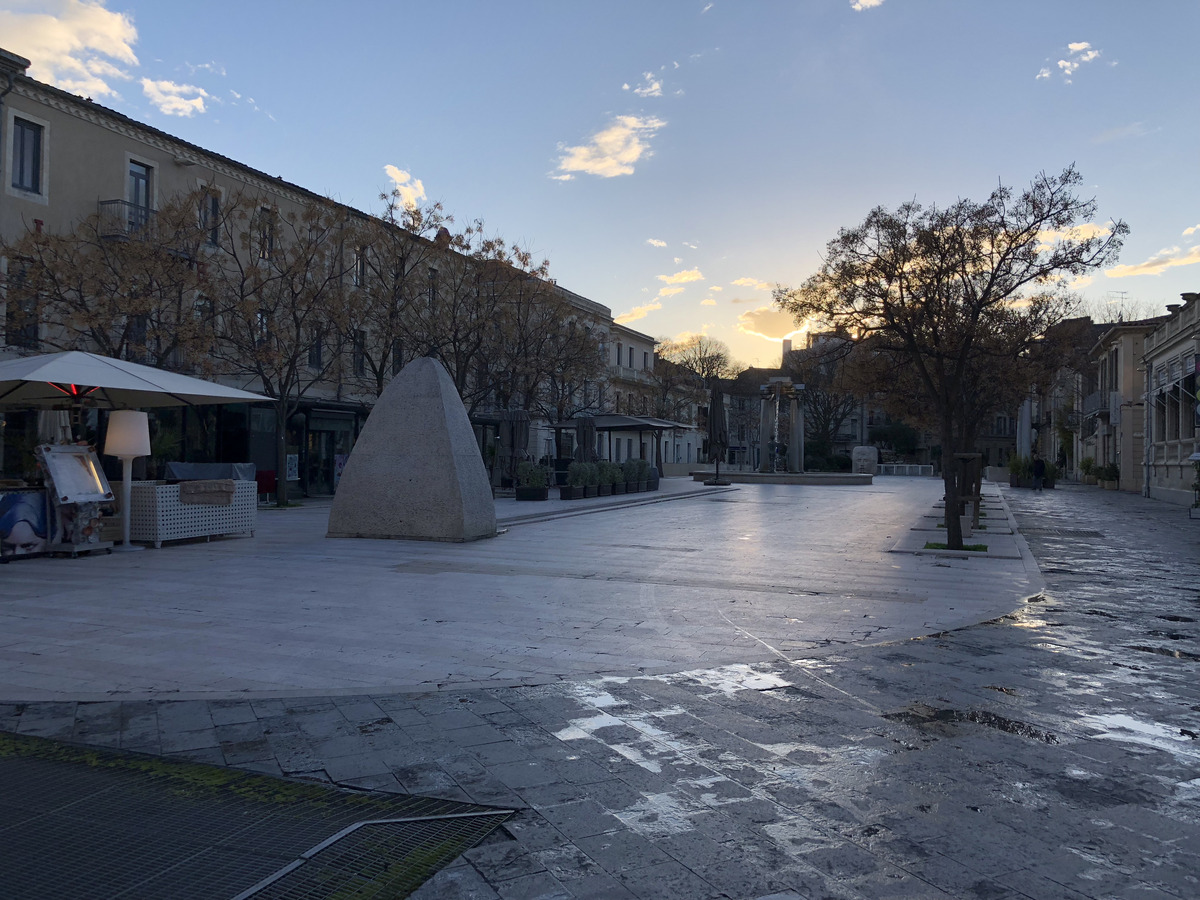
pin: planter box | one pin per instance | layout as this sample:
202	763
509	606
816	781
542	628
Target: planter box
570	492
533	493
618	487
1090	479
156	513
643	485
631	487
1109	485
604	490
591	490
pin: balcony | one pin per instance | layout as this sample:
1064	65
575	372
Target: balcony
124	220
626	373
1096	403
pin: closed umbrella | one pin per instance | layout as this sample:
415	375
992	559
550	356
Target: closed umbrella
718	430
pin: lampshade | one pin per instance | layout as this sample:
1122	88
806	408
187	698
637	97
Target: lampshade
128	434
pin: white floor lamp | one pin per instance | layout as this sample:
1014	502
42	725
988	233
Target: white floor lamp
128	438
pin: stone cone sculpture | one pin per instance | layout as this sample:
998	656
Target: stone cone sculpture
415	472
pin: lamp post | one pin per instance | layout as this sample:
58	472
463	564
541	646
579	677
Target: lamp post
128	438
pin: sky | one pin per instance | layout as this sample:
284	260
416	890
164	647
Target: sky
672	159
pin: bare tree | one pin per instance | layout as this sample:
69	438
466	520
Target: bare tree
951	289
122	291
278	304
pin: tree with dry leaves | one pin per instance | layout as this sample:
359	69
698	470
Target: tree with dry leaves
953	291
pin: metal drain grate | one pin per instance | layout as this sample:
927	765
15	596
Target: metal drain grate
89	822
1061	532
377	859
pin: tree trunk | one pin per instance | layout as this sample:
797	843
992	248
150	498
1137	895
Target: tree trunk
950	467
281	483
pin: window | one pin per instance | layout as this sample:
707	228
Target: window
27	156
433	274
266	232
359	272
140	176
210	216
21	309
315	352
135	338
358	359
262	327
631	357
645	359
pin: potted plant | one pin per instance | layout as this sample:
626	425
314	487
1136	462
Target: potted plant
531	482
616	475
629	474
643	475
1087	470
1110	476
604	478
652	480
591	480
576	478
1020	472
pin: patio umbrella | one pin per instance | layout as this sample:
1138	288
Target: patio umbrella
585	438
718	430
75	379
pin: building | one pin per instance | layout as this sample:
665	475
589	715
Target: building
1113	416
1170	428
330	304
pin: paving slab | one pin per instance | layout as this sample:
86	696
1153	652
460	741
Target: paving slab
654	583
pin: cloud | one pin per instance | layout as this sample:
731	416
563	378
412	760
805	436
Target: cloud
1158	263
1136	129
677	260
716	287
651	86
708	301
638	312
691	246
1192	230
669	291
213	67
655	243
707	7
768	322
738	301
77	46
175	99
860	5
410	189
613	151
1084	232
752	283
1079	53
684	277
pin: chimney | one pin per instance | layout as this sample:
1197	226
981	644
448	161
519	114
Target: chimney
787	348
11	64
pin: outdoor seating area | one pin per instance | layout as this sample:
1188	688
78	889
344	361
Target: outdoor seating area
62	502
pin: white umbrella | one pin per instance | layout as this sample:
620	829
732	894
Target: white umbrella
76	378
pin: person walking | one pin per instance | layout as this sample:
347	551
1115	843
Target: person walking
1039	472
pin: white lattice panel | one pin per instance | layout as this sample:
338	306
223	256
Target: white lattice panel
157	515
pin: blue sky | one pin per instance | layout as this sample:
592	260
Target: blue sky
672	159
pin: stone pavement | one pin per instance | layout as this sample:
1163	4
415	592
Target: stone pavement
1049	752
710	576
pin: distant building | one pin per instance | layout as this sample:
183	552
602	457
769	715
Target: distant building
66	160
1170	428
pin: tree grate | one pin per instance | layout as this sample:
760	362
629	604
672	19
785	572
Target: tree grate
379	859
1061	532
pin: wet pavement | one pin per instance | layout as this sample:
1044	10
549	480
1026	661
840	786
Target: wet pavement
1050	753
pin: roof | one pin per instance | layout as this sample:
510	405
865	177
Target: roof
623	423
